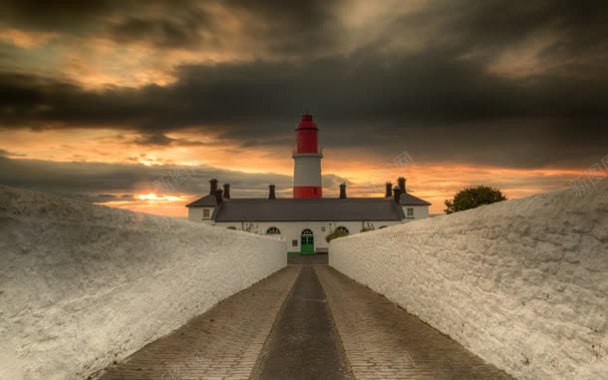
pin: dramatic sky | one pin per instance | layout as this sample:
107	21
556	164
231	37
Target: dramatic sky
105	100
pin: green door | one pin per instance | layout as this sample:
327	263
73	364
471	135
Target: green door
307	242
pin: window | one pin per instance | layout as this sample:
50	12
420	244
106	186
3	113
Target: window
410	212
342	229
273	231
294	243
206	213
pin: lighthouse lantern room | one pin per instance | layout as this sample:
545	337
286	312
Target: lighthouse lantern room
307	161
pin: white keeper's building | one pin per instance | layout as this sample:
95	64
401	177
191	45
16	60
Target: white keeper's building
305	220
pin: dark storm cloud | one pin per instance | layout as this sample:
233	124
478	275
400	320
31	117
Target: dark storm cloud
421	89
163	33
376	105
440	101
496	23
290	27
60	15
300	28
179	24
163	23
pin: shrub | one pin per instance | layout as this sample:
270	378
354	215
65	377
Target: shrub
473	197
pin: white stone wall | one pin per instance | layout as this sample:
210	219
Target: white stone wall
523	283
292	230
82	285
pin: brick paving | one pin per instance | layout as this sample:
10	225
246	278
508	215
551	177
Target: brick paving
306	321
383	341
223	343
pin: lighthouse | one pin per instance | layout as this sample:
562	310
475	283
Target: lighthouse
305	220
307	161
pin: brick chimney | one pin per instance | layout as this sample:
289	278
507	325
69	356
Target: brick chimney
397	194
401	181
218	196
343	190
226	191
389	190
271	194
212	186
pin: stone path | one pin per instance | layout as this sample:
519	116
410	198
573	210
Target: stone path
304	343
223	343
382	341
305	322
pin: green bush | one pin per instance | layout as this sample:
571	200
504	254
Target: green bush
335	234
473	197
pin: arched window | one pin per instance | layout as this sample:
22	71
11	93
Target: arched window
307	232
273	231
342	229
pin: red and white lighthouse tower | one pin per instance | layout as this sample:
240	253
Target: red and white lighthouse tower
307	161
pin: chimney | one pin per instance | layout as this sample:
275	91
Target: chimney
271	194
397	194
389	190
226	191
218	196
343	190
212	186
401	181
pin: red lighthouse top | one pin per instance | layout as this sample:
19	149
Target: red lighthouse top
307	123
306	135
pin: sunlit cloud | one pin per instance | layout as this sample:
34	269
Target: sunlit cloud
526	58
25	39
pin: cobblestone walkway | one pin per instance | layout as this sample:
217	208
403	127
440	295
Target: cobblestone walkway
304	322
223	343
383	341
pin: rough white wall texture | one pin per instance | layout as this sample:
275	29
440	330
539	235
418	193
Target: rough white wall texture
523	283
82	285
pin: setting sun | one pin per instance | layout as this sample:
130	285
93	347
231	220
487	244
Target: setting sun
152	197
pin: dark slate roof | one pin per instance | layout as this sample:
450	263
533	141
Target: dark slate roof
206	201
408	199
311	209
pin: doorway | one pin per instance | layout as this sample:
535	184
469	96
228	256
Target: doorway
307	242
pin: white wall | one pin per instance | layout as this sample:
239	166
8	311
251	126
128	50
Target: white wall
195	214
307	169
523	284
292	230
82	285
420	212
